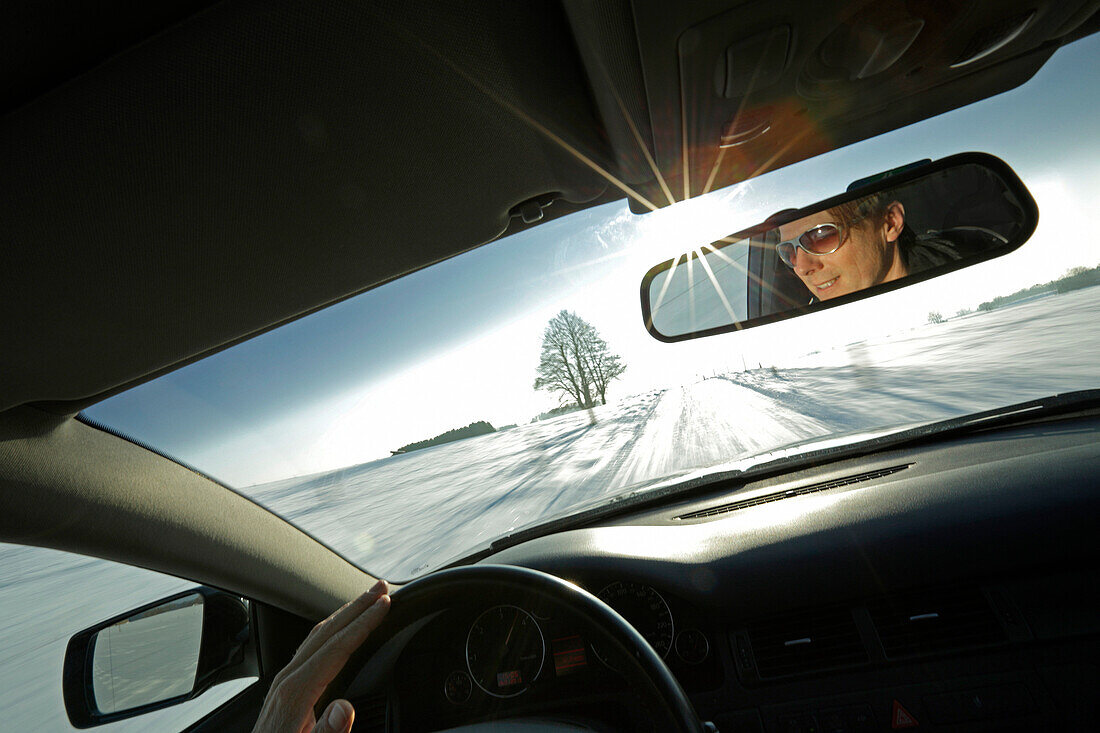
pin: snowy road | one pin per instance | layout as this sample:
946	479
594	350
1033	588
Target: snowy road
436	503
403	514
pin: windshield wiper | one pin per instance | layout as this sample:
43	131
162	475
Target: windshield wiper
1023	413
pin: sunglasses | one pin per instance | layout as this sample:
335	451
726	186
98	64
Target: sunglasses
822	239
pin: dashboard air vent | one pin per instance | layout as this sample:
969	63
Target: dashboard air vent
935	621
788	493
370	713
796	644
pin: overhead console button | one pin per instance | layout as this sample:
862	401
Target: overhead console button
768	53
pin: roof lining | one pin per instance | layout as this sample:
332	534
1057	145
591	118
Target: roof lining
229	175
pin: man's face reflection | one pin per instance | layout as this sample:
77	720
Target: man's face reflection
867	256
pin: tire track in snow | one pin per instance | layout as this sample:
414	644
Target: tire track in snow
601	480
712	422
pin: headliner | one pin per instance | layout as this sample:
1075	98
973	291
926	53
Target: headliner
193	174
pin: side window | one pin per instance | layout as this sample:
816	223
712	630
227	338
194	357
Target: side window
47	596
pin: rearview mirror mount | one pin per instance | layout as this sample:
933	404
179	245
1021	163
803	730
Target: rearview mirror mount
886	232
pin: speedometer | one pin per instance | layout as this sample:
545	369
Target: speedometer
645	609
505	651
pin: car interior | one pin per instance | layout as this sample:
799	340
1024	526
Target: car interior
183	176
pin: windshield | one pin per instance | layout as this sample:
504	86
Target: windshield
417	422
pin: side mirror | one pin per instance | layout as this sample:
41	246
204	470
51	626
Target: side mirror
886	232
157	656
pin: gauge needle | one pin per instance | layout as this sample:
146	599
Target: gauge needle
510	630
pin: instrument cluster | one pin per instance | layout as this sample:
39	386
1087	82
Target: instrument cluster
508	649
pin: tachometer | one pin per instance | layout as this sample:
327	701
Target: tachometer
645	609
505	651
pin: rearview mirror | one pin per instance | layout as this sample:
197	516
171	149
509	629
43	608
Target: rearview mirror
887	231
156	656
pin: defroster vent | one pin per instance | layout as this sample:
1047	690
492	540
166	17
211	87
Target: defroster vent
788	493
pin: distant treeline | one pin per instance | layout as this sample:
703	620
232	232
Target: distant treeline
564	409
1078	277
473	429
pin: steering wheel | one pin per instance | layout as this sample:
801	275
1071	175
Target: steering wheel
645	672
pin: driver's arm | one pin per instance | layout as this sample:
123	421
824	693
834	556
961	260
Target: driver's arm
288	707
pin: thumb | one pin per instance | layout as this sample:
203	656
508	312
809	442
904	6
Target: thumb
338	718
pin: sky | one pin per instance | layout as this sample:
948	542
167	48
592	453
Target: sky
459	341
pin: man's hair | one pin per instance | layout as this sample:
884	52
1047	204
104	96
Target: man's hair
871	209
867	209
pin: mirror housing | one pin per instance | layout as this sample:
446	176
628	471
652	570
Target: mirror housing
225	651
943	216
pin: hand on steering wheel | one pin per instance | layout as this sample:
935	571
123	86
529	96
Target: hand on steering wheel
288	707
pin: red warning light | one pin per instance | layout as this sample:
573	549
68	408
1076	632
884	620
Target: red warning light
507	679
569	655
902	718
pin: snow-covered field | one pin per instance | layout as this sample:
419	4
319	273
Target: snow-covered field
403	514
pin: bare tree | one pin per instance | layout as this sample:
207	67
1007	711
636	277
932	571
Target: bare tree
576	361
604	366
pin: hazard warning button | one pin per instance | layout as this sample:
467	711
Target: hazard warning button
901	718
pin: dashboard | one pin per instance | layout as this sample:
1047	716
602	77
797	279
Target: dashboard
948	586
